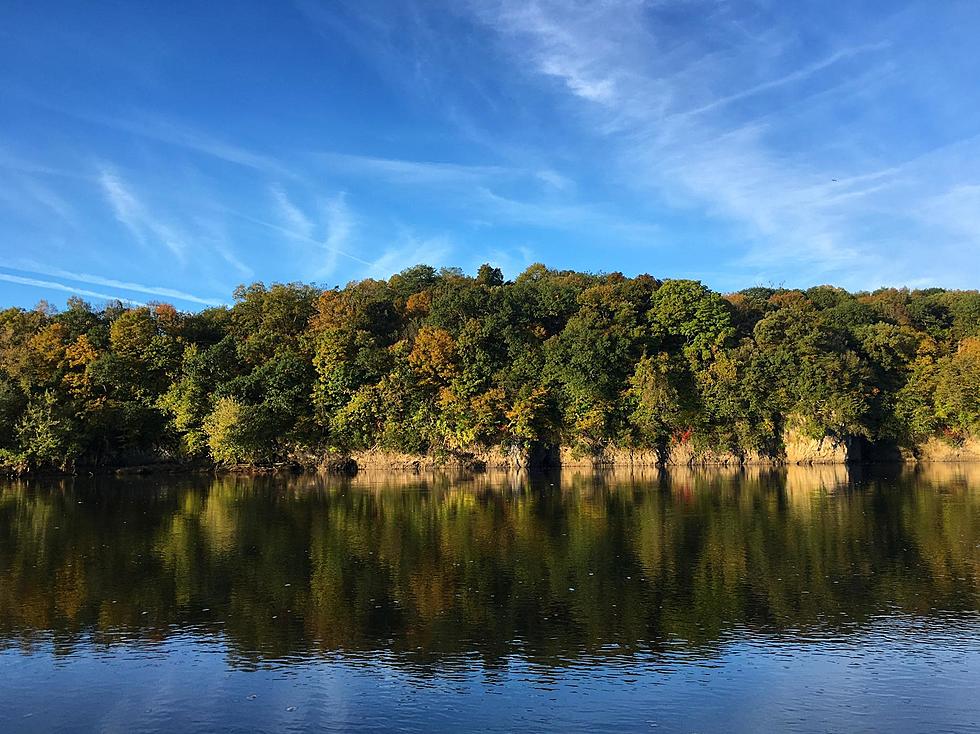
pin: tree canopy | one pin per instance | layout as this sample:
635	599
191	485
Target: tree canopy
434	361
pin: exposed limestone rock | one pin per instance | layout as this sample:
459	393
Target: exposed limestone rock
801	449
936	449
610	456
797	449
494	458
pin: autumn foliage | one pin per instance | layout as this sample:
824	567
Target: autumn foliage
442	363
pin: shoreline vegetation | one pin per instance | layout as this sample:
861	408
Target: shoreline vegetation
436	368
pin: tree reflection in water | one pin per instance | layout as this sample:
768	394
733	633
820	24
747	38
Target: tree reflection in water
436	568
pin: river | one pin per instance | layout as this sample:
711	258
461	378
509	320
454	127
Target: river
798	599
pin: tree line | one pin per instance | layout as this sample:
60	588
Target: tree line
441	363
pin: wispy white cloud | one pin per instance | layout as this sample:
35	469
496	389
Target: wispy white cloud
172	132
552	30
34	268
226	253
286	232
957	209
790	78
27	195
339	227
417	172
189	138
410	251
61	287
12	162
476	187
674	105
588	130
124	204
132	214
511	261
570	216
295	219
330	233
211	235
555	179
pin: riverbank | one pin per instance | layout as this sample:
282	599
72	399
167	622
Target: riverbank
797	450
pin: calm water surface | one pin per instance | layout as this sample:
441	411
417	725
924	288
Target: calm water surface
793	600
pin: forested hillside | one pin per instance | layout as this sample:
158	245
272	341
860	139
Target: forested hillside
440	363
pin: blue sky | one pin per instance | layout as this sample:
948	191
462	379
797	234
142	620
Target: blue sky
171	150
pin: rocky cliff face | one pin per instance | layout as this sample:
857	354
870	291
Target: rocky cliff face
797	449
936	450
801	449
